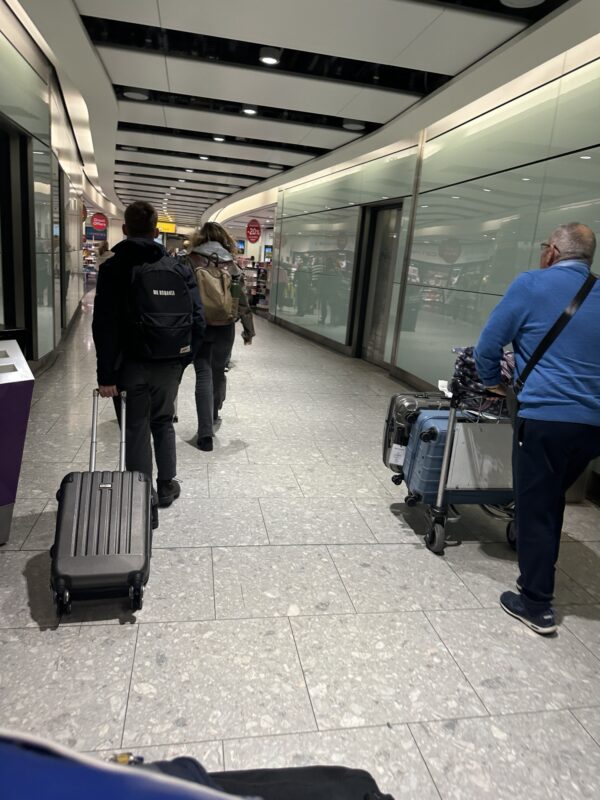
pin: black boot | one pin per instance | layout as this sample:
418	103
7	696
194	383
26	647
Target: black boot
205	443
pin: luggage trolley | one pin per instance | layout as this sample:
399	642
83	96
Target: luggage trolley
460	456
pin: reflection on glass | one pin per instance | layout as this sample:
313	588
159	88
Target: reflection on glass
73	279
472	240
312	274
42	194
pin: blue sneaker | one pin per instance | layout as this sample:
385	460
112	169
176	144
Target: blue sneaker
541	622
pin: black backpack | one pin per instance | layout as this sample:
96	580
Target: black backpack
161	310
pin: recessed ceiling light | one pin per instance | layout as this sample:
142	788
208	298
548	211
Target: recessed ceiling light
487	190
455	197
384	197
136	94
585	158
203	158
424	206
525	179
351	204
250	110
39	153
181	180
353	125
521	3
270	56
189	170
218	138
172	187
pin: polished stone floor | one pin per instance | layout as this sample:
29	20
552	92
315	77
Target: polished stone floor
293	615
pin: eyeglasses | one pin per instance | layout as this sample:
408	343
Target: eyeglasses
544	245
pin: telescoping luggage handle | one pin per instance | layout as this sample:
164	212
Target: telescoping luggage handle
94	442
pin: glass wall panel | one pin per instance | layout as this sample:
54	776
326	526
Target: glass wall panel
472	240
518	133
315	271
56	247
42	194
24	97
73	288
578	113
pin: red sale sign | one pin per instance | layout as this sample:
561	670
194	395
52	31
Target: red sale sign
253	231
99	222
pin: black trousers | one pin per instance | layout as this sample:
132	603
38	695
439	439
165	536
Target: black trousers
549	457
211	381
151	388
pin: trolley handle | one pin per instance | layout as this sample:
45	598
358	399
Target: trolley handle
94	438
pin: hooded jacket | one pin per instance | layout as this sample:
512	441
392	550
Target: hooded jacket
210	249
111	326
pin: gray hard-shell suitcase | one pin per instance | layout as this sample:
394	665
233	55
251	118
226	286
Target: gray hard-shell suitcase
103	538
403	412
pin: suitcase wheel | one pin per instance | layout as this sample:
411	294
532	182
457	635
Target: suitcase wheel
435	538
136	597
412	500
511	535
429	435
62	600
397	479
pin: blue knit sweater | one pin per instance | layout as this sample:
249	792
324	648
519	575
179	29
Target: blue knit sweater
565	385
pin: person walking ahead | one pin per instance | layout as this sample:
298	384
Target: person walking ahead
558	424
211	255
148	323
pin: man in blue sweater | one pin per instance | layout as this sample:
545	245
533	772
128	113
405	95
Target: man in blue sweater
558	426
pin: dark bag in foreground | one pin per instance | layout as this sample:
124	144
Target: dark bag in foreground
162	310
291	783
103	531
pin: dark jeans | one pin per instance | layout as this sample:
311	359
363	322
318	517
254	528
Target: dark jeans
211	382
151	388
549	458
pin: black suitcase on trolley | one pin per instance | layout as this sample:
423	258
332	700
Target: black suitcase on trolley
403	412
103	535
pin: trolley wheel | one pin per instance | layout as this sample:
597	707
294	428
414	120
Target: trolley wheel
63	602
412	500
511	534
435	538
136	597
397	479
175	418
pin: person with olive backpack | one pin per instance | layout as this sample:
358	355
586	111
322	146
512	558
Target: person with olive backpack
552	317
220	281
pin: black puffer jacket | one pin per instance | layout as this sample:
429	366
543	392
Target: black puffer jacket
112	325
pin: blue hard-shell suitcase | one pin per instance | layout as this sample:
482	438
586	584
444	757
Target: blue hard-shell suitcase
424	454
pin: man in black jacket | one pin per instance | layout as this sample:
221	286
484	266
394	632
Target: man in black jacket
151	385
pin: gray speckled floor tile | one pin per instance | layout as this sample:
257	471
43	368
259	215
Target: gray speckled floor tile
314	520
319	430
216	679
41	480
581	561
354	451
399	577
74	690
386	520
490	569
278	452
372	669
226	450
538	756
25	515
209	754
194	483
584	622
52	447
590	719
211	522
277	581
180	588
582	522
251	480
25	596
504	660
327	481
388	753
41	536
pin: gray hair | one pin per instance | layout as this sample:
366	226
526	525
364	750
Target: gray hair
575	240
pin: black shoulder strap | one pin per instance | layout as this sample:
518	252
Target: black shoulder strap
555	331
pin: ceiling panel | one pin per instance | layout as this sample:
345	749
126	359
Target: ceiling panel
254	128
208	166
141	69
277	89
199	188
455	40
210	148
144	13
174	174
